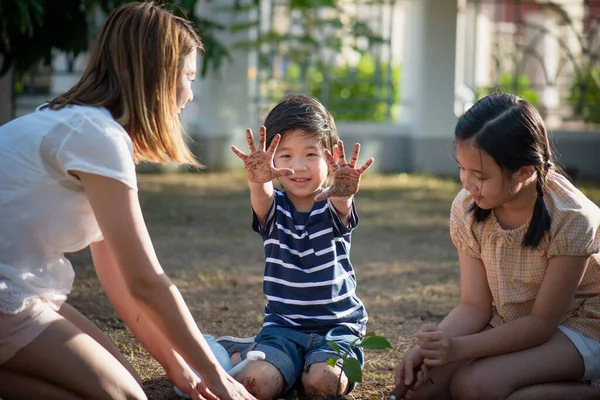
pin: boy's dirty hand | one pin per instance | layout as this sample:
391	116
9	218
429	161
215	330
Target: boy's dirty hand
258	163
345	176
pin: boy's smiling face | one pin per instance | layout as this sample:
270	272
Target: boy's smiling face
303	153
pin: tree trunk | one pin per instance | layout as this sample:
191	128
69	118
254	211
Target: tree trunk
6	97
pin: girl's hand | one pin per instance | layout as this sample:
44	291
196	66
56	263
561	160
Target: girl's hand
437	348
405	371
346	177
258	163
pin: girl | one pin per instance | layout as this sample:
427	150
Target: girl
67	180
528	325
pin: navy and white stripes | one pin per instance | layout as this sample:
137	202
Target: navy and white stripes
309	281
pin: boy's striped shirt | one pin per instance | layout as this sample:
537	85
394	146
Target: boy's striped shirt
309	281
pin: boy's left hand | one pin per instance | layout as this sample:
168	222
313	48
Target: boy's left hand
345	176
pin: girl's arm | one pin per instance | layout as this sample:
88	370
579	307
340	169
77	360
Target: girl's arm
118	212
557	290
470	316
563	274
475	308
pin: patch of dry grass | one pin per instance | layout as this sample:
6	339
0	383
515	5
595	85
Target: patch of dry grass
201	228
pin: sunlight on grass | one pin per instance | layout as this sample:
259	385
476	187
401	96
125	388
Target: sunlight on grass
200	223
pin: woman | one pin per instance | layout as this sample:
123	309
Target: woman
71	184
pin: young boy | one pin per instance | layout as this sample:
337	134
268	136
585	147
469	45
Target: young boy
309	281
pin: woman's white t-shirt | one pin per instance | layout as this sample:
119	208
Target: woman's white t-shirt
44	211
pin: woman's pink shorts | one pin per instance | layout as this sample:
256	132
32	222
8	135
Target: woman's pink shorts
18	330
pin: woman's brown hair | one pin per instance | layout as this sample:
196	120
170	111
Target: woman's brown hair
133	72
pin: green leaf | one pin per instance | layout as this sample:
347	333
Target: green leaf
351	368
376	343
243	26
335	347
332	361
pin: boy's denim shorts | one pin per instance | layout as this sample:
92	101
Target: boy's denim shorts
292	351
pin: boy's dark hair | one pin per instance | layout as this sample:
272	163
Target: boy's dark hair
512	132
297	111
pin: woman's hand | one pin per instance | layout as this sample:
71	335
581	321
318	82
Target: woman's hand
345	176
258	163
184	378
221	387
224	387
436	347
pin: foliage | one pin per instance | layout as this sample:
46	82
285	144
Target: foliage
585	95
519	85
31	29
315	30
350	365
368	91
306	48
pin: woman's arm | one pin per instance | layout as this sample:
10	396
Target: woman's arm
118	212
154	341
557	290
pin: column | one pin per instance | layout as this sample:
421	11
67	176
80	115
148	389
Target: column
223	103
543	38
6	97
428	75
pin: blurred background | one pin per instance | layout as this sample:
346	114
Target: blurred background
394	73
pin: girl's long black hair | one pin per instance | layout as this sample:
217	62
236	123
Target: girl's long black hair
512	132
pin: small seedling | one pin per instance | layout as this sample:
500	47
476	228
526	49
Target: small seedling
350	365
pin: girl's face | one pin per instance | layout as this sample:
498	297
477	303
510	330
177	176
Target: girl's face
302	153
483	178
188	75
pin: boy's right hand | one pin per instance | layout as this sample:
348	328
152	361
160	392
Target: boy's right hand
258	163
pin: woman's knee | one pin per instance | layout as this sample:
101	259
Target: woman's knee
323	380
262	380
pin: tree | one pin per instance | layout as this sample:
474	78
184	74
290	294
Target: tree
323	48
31	29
